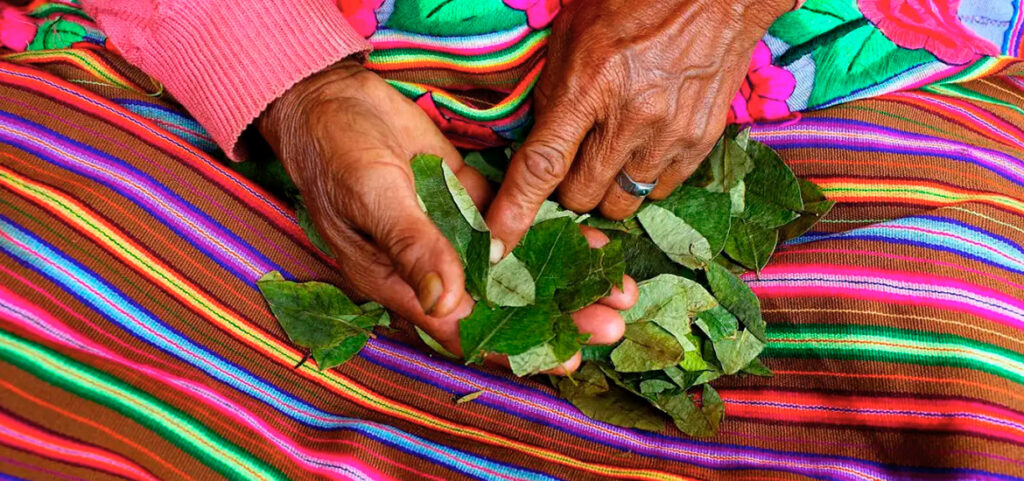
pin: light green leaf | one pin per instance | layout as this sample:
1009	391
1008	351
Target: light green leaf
646	347
331	356
551	210
736	296
692	361
313	314
677	239
509	283
469	397
757	368
505	330
655	386
462	199
668	296
717	323
433	344
737	352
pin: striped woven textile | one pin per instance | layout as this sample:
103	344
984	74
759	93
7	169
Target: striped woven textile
134	344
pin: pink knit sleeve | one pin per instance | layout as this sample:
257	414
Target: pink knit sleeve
226	60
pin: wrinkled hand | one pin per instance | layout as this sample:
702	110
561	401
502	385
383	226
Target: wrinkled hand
346	137
643	87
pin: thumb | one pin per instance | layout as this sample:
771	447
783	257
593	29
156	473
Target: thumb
535	171
420	254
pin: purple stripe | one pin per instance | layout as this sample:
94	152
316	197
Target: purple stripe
539	407
781	136
145	192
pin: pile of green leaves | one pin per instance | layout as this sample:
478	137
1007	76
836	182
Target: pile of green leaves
694	322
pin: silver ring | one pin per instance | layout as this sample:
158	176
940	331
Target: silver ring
632	187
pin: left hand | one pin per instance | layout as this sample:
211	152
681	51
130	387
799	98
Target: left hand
640	87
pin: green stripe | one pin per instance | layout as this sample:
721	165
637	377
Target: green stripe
508	54
830	341
185	432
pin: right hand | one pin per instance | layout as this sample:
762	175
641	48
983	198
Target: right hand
345	136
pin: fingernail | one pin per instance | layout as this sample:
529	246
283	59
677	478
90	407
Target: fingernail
497	250
429	291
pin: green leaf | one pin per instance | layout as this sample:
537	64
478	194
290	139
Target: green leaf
606	268
773	193
590	392
724	168
505	330
313	314
655	386
707	212
628	225
738	199
692	361
757	368
564	345
453	18
717	323
644	260
433	344
551	210
749	244
331	356
598	352
668	296
306	222
556	254
509	283
469	397
696	421
56	34
491	163
677	239
736	296
816	206
646	347
737	352
446	204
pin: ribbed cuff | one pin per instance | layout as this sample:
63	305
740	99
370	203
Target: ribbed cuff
226	61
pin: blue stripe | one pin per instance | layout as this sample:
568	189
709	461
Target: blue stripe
80	283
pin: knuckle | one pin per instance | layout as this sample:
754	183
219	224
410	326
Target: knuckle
545	163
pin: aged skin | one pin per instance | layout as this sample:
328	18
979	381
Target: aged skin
643	87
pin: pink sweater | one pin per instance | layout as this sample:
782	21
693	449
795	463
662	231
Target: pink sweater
226	60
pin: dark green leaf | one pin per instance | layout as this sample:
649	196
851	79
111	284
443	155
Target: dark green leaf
644	260
677	239
331	356
313	314
629	225
607	265
655	386
750	244
590	392
491	163
306	222
505	330
598	352
566	342
757	368
433	344
556	254
773	193
646	347
736	296
816	206
707	212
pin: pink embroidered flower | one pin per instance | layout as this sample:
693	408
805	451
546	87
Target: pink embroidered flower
361	14
462	133
539	13
16	29
929	24
764	92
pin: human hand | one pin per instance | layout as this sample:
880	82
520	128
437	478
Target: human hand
643	88
345	136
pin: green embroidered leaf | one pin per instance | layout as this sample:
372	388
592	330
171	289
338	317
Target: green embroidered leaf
313	314
510	284
736	296
56	34
738	351
707	212
646	347
505	330
452	18
556	253
749	244
590	392
677	239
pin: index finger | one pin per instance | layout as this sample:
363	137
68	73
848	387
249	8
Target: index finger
536	170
